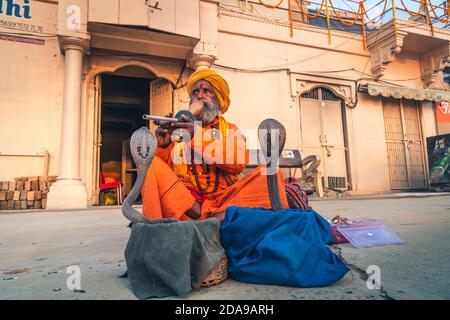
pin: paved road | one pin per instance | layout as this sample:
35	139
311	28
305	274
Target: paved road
37	247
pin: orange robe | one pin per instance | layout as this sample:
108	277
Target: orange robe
166	194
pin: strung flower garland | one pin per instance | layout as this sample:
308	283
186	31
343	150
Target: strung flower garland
361	14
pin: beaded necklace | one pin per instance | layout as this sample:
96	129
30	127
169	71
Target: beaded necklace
206	168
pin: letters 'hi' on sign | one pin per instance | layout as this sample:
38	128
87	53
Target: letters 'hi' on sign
11	9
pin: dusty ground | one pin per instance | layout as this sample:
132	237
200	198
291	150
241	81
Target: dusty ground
37	247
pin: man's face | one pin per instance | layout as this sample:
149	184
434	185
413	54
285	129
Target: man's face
204	104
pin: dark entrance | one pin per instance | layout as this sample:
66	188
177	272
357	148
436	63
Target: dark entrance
124	101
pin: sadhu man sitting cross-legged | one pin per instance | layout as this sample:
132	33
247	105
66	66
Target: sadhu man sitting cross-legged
198	177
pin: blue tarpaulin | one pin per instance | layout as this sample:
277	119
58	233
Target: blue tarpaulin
280	248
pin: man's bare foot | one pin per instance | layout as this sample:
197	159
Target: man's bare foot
194	212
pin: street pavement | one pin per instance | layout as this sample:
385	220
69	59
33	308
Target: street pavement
37	247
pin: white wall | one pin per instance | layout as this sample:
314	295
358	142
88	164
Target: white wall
31	85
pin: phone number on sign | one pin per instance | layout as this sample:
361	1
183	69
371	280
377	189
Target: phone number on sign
20	26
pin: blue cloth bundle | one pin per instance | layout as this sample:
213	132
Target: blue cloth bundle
280	248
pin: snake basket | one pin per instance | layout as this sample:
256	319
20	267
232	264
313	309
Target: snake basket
218	275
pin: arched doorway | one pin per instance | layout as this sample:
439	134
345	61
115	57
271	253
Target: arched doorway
121	98
322	122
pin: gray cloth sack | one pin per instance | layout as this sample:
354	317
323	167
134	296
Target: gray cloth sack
168	257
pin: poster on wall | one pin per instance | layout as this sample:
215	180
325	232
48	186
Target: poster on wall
443	117
443	111
439	158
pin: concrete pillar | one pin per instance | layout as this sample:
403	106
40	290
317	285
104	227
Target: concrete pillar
205	52
201	61
68	192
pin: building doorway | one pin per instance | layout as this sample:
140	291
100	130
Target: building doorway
322	128
122	98
404	144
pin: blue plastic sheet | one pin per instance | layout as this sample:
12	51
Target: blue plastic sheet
279	248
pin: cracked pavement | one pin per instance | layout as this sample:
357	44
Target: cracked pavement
37	247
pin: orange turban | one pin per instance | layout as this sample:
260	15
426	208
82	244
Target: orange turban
220	86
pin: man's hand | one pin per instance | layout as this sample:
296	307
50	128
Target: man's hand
184	123
163	134
163	137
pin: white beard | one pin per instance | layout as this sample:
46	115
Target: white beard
209	113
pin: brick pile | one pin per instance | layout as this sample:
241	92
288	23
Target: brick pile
25	193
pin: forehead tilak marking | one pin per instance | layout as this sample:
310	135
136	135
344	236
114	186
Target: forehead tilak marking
202	84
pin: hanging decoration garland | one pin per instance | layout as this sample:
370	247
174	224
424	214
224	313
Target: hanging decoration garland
328	22
291	27
381	16
437	16
272	6
305	12
361	14
429	16
338	16
394	16
427	3
412	14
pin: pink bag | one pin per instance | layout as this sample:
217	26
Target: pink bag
336	236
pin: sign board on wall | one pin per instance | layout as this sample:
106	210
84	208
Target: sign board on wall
72	18
27	21
15	9
443	117
439	158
